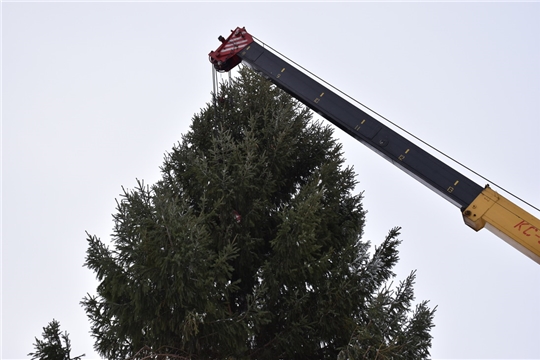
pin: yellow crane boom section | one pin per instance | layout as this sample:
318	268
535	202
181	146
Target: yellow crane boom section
506	220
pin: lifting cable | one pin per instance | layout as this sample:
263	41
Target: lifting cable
394	124
215	88
216	84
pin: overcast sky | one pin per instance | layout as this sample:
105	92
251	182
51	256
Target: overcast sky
94	94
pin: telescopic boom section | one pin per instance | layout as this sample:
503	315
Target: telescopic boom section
479	206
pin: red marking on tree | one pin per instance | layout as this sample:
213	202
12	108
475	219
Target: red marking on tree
237	216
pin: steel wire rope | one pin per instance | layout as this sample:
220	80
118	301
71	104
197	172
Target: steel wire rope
217	81
396	125
215	85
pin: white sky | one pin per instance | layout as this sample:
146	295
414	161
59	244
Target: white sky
94	94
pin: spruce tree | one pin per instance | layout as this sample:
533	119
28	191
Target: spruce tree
54	346
249	246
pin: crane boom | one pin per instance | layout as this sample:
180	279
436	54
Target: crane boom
480	206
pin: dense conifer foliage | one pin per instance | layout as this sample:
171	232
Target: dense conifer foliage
250	246
54	346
